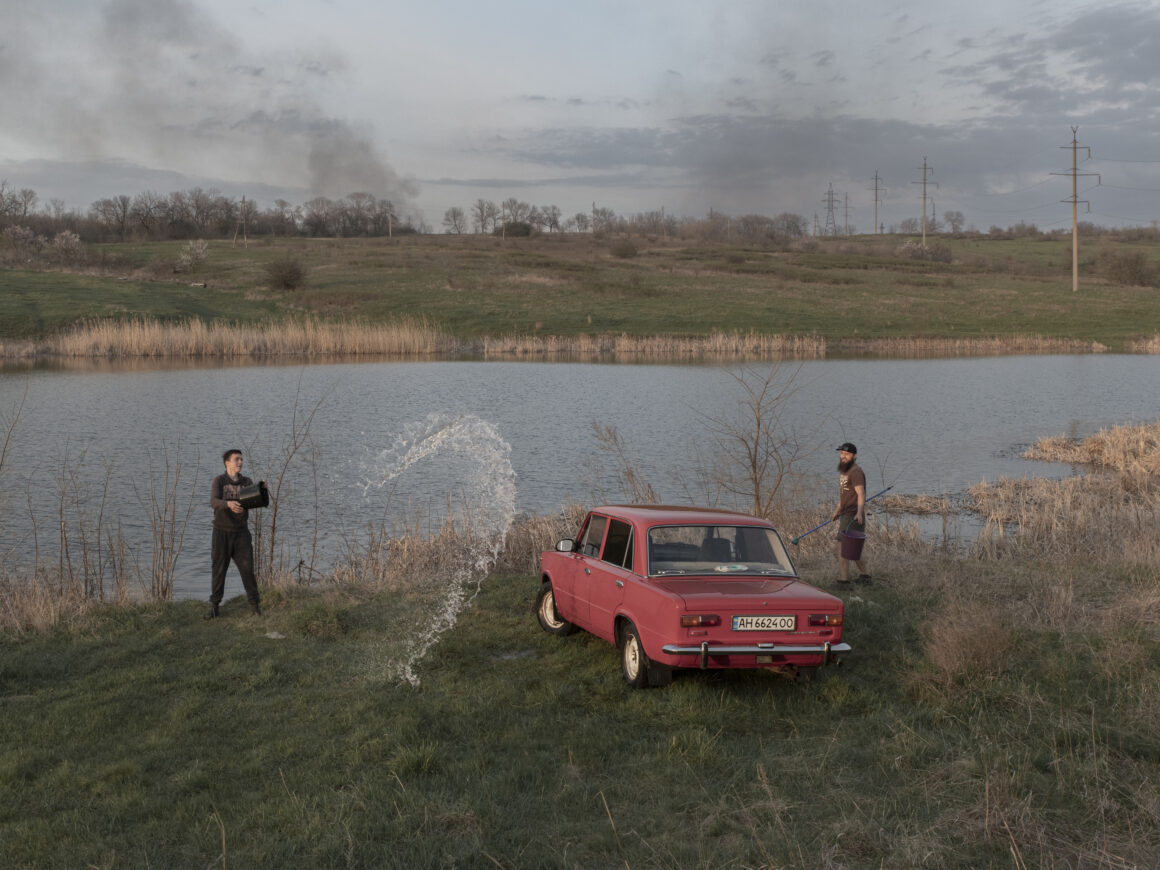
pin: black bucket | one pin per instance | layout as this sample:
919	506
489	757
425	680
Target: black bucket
254	496
852	543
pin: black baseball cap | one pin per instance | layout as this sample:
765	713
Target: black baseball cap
847	446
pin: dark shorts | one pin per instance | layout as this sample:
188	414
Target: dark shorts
846	522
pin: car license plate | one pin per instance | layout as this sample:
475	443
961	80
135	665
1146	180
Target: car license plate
764	623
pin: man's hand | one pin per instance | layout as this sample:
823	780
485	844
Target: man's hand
235	506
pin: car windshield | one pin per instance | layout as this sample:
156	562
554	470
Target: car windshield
719	550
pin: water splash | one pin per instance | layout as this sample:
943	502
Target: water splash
473	466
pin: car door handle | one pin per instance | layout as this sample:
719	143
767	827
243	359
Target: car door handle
587	570
620	583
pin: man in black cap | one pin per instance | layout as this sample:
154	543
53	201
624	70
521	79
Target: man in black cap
851	510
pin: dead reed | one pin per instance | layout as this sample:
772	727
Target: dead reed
1133	450
144	337
1143	345
920	347
717	345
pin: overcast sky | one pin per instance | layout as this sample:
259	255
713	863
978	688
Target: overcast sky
743	106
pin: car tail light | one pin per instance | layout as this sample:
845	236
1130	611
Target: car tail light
700	619
820	620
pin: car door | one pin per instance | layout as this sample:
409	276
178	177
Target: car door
608	578
576	588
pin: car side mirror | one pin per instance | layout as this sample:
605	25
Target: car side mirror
566	546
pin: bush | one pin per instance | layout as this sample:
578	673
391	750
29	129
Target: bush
935	253
285	273
67	246
1131	268
193	255
623	248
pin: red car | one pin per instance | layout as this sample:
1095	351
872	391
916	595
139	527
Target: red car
676	587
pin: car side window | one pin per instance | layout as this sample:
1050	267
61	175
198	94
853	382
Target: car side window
618	547
593	535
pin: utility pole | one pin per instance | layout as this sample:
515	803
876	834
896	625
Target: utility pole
876	180
846	201
815	224
925	170
1075	146
241	227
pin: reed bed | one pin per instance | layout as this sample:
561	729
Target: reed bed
144	337
919	347
717	345
1129	449
1143	345
917	505
147	338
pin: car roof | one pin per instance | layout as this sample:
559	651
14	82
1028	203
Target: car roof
665	515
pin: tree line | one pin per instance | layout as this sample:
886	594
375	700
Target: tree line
197	213
516	218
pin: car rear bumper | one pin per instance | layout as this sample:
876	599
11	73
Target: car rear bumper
705	650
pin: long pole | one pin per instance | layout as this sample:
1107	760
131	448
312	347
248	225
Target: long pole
794	540
1074	215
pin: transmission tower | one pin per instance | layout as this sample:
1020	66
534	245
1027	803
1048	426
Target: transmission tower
1075	201
831	228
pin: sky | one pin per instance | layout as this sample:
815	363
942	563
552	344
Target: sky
739	106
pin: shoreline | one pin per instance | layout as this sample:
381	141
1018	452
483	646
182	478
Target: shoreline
152	342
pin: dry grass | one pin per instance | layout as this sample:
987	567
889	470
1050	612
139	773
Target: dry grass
1133	450
718	345
41	602
1143	345
145	338
920	347
196	338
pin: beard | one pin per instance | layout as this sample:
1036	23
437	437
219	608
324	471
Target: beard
843	467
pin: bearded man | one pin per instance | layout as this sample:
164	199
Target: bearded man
851	510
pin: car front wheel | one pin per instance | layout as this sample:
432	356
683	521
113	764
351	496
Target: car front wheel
550	619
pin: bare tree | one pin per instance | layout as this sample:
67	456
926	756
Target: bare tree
113	213
148	211
515	211
756	450
551	216
455	220
955	220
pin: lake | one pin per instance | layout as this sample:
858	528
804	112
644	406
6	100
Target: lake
925	426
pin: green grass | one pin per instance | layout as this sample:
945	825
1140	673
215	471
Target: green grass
152	738
473	287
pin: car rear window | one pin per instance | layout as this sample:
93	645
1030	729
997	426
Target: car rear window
717	550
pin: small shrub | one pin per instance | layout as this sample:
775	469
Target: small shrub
67	246
285	273
623	248
22	238
193	255
1130	268
914	250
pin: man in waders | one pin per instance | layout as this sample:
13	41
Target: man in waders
851	510
231	534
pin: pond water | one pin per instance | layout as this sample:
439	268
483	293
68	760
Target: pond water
924	426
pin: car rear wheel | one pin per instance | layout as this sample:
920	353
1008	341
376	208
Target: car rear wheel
550	619
640	671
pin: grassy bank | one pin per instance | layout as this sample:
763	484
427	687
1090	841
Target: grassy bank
564	292
961	733
998	710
